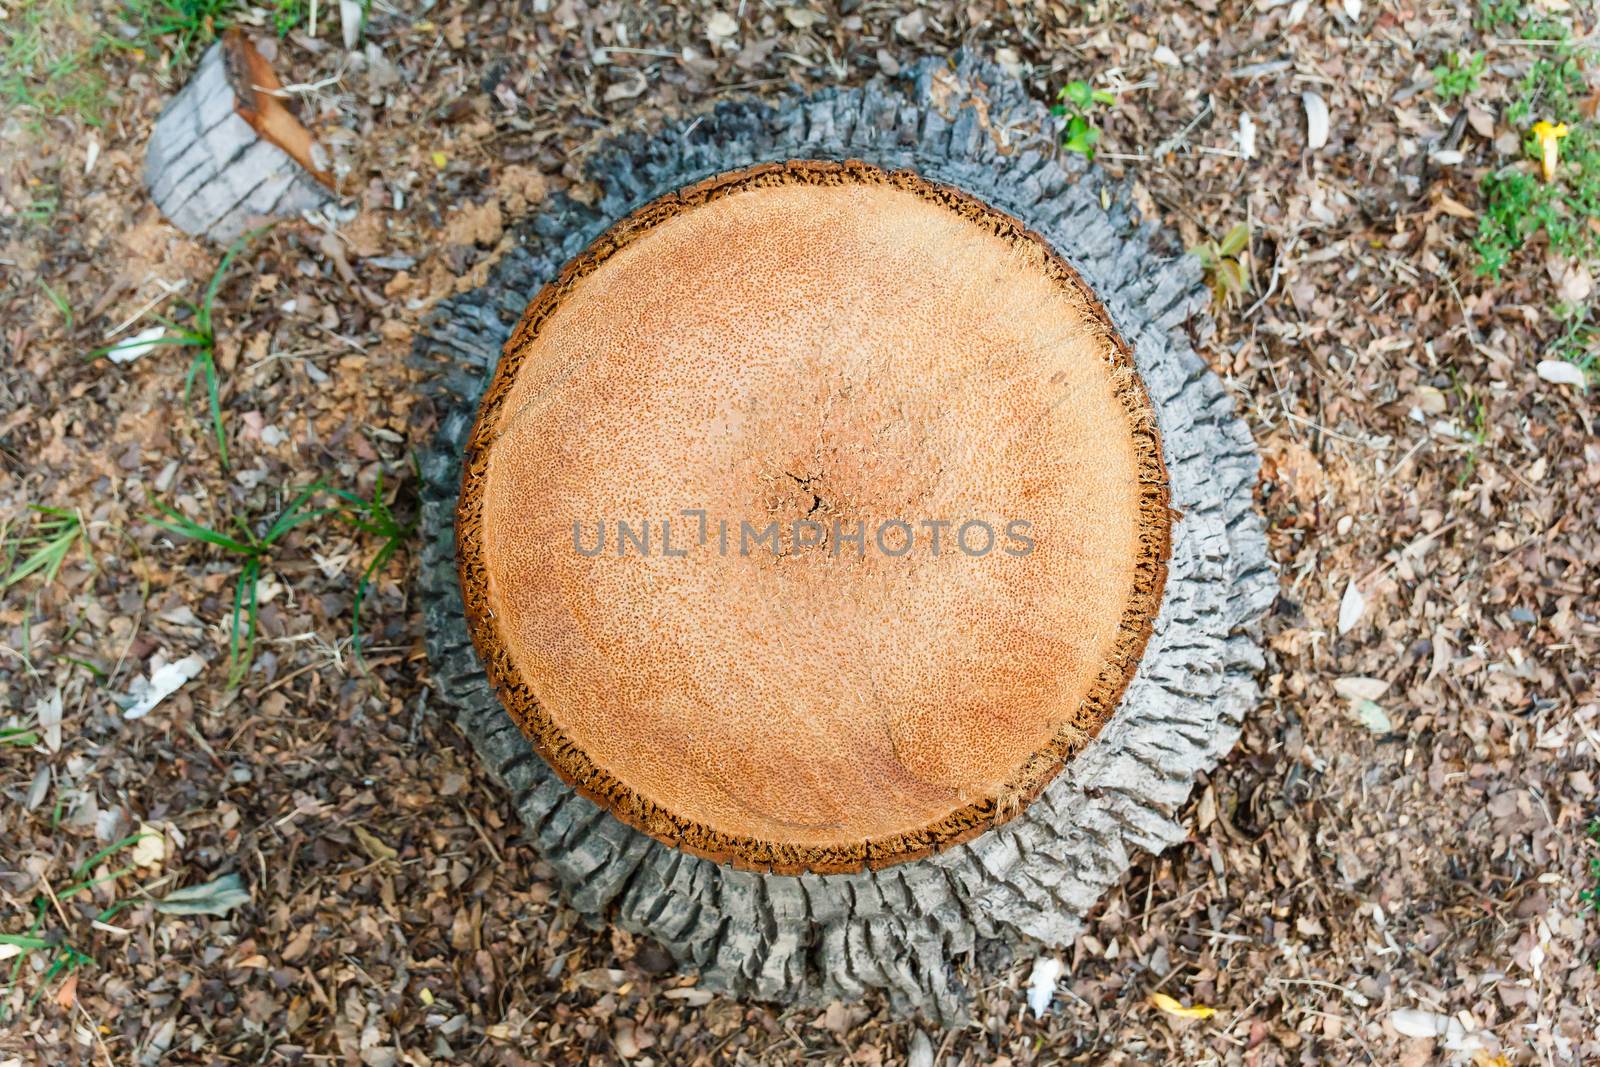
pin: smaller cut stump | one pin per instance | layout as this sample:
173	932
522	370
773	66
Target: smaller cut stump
227	149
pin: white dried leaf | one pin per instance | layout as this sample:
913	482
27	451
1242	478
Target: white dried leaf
1574	284
803	18
1560	372
109	824
1246	135
165	679
1352	9
1413	1022
1351	607
48	710
1356	687
1166	57
721	24
911	25
351	18
1316	119
1430	401
151	848
633	86
1540	951
1042	984
40	787
920	1051
132	348
268	589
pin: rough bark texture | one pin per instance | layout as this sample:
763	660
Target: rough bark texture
208	167
902	929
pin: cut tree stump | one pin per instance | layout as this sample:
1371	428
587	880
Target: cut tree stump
227	150
1017	870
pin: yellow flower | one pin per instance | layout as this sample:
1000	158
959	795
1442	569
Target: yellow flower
1549	146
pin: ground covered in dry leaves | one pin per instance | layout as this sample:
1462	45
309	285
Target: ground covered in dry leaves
1403	826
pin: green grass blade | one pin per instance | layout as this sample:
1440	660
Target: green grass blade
179	523
48	559
23	942
294	514
216	404
374	568
53	537
222	269
241	644
88	883
116	846
59	301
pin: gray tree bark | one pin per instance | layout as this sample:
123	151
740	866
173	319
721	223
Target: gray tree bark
226	151
1030	882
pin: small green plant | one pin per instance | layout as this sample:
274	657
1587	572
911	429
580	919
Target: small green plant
376	518
1500	14
191	24
1552	87
1559	195
1226	274
253	550
287	14
1579	340
1475	431
60	302
1076	103
42	208
43	547
1456	77
63	957
1589	899
199	333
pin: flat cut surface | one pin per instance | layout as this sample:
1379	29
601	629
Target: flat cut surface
830	344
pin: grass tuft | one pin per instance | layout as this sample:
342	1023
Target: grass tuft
1224	262
42	547
253	550
200	334
1456	77
374	517
63	957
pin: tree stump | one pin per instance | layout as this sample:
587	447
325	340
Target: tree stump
967	800
227	149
